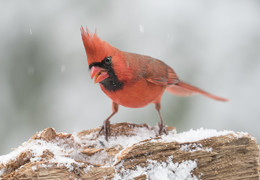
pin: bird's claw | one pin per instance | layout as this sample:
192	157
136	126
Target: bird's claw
162	129
105	129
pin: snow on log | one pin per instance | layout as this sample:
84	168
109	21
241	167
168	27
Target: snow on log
134	152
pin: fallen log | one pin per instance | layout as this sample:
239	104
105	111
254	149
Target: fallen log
134	152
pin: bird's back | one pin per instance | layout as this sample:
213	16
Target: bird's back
151	69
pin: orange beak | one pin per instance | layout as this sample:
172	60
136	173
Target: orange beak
99	73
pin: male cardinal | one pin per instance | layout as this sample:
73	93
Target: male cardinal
132	80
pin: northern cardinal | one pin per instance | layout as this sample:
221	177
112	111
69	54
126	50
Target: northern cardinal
132	80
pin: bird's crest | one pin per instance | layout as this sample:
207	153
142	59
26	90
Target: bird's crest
96	49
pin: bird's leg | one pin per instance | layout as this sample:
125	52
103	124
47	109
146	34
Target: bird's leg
106	126
161	125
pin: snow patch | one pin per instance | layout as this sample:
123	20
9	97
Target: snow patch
126	141
161	170
34	168
45	165
86	169
194	147
140	134
38	147
197	135
12	155
98	158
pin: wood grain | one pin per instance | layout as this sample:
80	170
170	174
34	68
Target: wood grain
223	157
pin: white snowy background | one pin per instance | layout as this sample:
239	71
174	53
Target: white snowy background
44	76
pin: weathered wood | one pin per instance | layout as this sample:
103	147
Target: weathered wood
231	156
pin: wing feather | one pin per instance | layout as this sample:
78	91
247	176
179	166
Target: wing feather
158	72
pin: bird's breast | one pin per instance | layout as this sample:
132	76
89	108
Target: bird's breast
135	95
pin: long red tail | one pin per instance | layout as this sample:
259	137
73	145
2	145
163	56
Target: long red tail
184	89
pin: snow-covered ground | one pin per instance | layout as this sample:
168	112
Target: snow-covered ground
66	150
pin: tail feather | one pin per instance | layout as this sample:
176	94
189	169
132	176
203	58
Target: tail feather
184	89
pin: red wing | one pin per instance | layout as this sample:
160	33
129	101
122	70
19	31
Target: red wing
158	72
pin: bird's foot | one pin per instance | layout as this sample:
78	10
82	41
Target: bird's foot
162	129
105	129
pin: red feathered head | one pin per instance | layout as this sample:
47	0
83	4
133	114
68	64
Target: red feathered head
96	49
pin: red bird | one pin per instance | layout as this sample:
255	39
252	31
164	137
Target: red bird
132	80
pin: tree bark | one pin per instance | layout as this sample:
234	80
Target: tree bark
89	156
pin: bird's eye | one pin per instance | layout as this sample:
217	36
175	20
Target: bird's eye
108	60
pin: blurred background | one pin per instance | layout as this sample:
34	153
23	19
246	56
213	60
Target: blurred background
45	81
